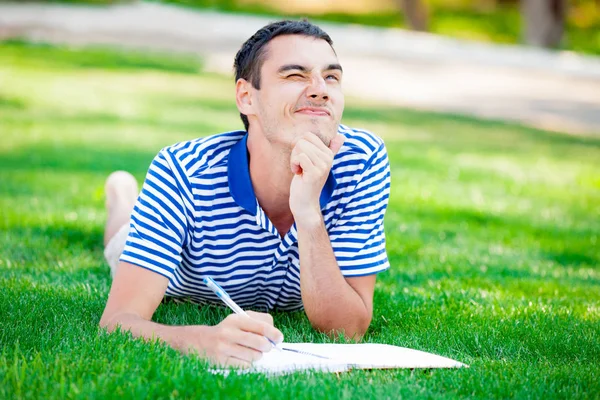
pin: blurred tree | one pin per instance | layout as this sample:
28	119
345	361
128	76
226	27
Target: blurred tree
416	14
544	21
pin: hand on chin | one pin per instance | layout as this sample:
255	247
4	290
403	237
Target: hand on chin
325	132
310	162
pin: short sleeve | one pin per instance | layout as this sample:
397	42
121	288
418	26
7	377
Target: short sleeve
358	237
159	224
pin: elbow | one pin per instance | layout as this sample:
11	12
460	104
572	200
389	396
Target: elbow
362	328
357	330
109	322
105	324
352	329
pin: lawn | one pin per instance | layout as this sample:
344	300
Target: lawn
493	236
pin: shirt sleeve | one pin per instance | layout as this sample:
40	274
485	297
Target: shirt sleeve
159	225
358	237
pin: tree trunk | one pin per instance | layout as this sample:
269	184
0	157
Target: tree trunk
544	21
415	13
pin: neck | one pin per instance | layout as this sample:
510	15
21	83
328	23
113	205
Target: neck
271	178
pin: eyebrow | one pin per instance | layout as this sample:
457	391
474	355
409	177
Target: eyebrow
334	66
298	67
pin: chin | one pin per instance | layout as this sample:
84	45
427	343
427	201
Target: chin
324	138
325	132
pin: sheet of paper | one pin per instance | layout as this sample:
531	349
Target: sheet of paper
372	355
281	362
342	357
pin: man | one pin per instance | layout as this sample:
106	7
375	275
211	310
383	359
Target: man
284	215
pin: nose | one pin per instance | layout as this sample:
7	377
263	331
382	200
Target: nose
317	89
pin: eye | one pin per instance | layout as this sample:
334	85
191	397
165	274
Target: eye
294	76
332	77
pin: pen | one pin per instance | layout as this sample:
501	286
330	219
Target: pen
222	294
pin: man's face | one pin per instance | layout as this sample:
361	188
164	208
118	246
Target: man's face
300	91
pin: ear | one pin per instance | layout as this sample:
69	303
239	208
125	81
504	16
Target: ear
243	96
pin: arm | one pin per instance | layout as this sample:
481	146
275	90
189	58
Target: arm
136	293
159	228
332	303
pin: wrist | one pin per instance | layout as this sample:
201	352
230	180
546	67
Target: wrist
308	219
189	337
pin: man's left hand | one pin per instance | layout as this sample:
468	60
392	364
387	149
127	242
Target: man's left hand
310	161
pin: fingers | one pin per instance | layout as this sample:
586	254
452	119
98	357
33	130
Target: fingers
310	155
245	339
254	345
319	155
301	163
232	346
262	328
246	354
316	142
336	143
268	318
234	356
314	146
295	166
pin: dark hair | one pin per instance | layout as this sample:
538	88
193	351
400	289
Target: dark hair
249	59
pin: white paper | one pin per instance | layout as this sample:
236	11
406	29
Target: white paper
342	357
281	362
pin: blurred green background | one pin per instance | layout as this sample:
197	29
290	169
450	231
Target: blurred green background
500	21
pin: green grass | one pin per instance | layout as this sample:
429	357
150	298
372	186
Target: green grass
493	235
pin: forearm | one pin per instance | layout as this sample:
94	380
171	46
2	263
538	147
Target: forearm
178	337
330	303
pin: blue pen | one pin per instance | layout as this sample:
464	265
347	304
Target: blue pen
222	294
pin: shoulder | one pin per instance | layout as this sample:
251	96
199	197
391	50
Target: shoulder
360	148
360	140
362	174
203	153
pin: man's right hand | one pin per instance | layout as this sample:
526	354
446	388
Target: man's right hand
237	340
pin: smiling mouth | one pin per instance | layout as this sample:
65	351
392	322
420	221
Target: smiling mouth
316	112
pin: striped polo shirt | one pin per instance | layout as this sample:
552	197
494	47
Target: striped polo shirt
197	216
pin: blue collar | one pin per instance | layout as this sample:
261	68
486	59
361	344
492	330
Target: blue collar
240	185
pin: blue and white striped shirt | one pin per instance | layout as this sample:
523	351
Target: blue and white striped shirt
197	216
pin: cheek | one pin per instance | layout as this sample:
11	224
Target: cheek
288	98
338	103
268	106
282	94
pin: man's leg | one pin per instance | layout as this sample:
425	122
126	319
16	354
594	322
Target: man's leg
121	191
